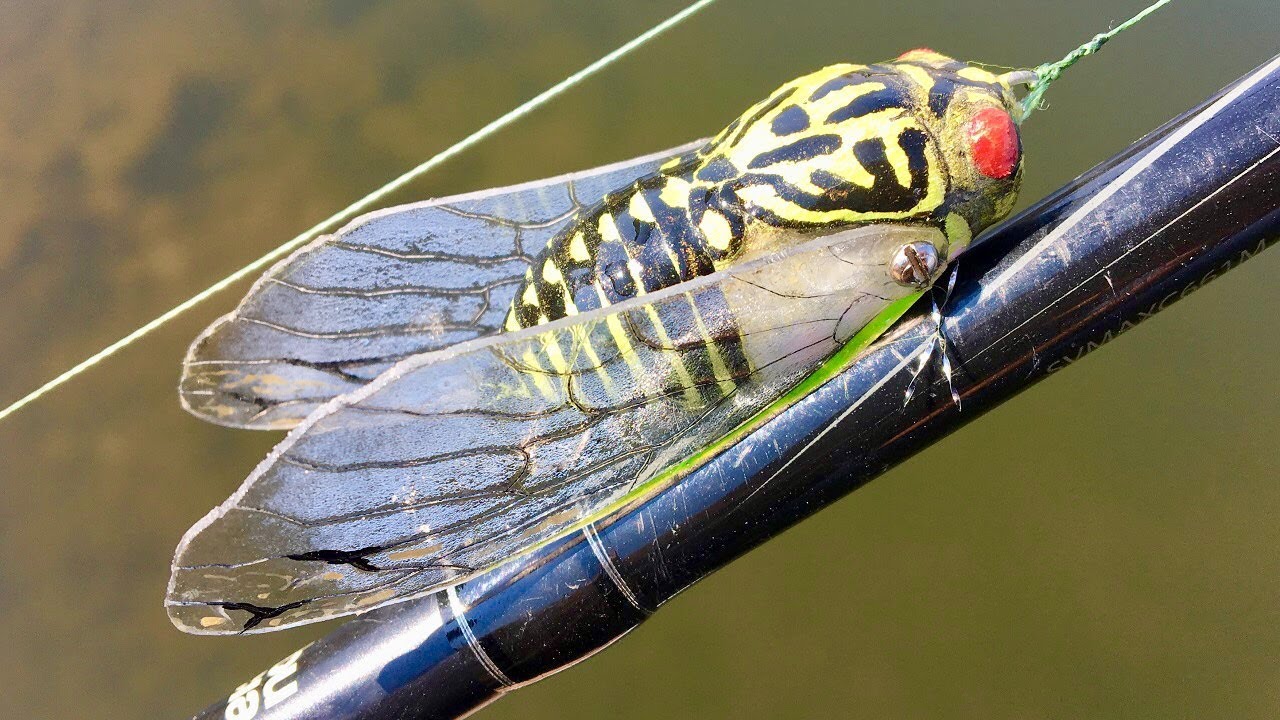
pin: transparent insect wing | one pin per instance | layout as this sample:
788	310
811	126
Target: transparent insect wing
455	461
392	284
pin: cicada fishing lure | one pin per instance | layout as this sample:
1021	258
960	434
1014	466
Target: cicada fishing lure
470	378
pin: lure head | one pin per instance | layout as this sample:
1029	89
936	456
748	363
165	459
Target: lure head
922	139
974	115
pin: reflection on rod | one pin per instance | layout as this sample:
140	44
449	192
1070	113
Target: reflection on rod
1136	233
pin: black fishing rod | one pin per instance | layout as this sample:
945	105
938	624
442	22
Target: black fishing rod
1177	209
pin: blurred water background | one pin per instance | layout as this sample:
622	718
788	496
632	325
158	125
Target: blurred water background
1104	545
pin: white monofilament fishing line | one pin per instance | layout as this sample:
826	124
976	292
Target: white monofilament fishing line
360	205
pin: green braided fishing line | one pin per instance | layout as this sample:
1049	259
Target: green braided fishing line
1048	72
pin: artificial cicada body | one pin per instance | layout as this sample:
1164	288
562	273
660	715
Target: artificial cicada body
471	378
921	140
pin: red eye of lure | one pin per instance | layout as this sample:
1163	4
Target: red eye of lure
993	142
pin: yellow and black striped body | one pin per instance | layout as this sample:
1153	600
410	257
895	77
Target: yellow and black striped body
844	146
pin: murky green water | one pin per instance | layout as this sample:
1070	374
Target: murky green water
1103	546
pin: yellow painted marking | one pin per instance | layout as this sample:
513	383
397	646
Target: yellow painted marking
570	307
585	343
897	158
212	621
637	275
604	299
538	375
503	390
958	234
607	229
675	192
551	346
715	228
799	174
578	248
521	389
620	338
764	197
885	124
640	209
551	273
609	232
677	362
924	55
758	137
671	255
718	366
582	342
624	346
530	296
838	98
977	74
888	124
919	75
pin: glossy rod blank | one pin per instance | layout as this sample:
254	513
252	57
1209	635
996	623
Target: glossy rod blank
1122	242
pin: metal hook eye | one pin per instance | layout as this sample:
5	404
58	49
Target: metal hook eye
914	265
